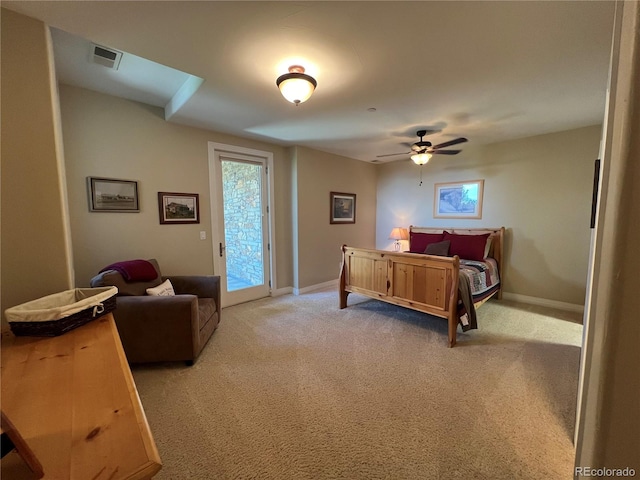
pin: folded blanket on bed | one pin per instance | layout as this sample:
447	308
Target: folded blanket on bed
134	270
483	276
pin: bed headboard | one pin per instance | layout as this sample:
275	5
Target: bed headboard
497	244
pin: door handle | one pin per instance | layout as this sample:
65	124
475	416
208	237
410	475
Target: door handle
221	249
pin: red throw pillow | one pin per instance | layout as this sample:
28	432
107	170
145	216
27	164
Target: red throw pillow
418	241
468	247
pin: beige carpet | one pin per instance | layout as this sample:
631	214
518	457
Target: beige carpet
294	388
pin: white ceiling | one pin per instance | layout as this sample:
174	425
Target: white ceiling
488	71
134	78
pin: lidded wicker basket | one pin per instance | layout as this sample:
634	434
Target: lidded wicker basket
61	312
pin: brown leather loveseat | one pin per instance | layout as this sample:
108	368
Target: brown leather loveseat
163	328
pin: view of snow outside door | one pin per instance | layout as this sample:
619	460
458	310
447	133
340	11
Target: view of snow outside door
243	236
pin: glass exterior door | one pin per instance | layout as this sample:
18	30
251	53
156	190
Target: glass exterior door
243	229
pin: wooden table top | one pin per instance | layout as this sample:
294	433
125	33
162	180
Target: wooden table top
74	401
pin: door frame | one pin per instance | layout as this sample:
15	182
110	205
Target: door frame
215	150
597	365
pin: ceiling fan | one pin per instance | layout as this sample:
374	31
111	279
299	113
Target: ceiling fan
422	150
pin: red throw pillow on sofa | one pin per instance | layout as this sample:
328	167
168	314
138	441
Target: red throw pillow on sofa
468	247
418	241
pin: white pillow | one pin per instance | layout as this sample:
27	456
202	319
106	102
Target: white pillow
165	289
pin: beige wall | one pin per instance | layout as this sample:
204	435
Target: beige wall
318	242
620	444
116	138
35	249
539	188
33	242
111	137
609	417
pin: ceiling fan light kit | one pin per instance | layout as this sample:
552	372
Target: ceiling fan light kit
423	151
296	86
421	158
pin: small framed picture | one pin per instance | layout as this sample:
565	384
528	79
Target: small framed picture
343	208
112	195
178	208
458	199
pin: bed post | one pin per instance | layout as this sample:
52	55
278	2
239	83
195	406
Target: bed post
343	279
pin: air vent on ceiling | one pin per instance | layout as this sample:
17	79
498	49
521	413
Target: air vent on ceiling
106	57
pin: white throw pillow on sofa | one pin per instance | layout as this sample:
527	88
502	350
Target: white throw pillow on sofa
165	289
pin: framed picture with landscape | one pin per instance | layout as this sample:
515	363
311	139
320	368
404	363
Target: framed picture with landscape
343	208
178	208
458	199
112	195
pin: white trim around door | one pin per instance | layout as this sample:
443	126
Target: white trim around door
217	153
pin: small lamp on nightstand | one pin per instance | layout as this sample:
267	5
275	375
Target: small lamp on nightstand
398	234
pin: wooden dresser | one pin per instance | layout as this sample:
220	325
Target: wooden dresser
73	400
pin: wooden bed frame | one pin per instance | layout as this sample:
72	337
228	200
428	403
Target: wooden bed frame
421	282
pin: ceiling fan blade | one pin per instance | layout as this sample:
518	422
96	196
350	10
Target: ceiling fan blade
455	141
393	154
446	152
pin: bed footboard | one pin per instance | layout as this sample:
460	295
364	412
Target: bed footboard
424	283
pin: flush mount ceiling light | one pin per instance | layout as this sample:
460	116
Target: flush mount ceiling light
296	86
421	158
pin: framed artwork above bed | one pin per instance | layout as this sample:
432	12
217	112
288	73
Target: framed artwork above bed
458	199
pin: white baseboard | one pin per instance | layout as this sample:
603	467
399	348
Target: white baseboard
281	291
330	283
569	307
516	297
